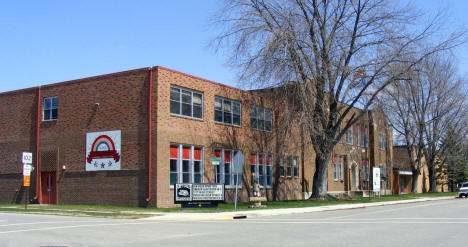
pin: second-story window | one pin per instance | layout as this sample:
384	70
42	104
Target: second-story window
50	109
349	136
381	141
227	111
260	118
186	102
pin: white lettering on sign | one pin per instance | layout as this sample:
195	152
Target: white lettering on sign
27	158
198	192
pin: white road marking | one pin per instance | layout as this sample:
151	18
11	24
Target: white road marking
348	222
388	210
332	219
77	226
51	222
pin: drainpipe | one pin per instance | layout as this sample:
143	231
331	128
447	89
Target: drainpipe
37	140
149	133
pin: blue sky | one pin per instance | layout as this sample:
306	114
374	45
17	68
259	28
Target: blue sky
44	42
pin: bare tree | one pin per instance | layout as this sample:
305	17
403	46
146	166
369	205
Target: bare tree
405	106
446	113
422	108
319	50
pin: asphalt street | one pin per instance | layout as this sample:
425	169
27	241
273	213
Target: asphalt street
436	223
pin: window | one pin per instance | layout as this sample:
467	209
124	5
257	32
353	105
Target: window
261	168
358	135
224	172
269	171
349	136
335	169
338	168
381	141
383	173
365	170
340	162
227	111
289	166
50	109
260	118
366	137
186	102
295	167
281	164
185	164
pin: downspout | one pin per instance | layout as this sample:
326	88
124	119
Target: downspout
149	132
37	140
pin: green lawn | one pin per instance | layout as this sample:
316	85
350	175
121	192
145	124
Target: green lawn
138	212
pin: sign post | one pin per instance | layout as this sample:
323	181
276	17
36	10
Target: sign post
238	163
27	161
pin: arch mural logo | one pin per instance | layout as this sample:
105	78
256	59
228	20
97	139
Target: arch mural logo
103	150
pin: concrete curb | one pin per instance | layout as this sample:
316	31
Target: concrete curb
283	211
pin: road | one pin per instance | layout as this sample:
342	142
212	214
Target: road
437	223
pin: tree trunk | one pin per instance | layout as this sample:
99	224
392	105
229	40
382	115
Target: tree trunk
319	188
414	184
432	179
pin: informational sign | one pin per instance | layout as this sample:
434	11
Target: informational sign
198	193
27	158
215	161
376	179
27	168
238	162
26	181
103	150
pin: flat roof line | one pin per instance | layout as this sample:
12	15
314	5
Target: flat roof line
120	73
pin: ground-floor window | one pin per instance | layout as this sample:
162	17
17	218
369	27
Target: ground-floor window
338	167
281	165
186	164
224	171
365	170
261	168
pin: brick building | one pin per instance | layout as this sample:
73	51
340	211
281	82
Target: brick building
403	173
126	138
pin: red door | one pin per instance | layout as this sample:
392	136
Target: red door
48	188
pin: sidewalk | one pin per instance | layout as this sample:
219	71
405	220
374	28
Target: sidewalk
283	211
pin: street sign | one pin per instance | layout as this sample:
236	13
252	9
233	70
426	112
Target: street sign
215	161
238	162
27	170
26	181
27	158
376	179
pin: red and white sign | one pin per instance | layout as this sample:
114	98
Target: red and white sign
103	151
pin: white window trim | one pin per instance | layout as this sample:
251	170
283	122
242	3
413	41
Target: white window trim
191	103
296	167
191	163
232	112
381	140
350	136
335	171
231	170
264	110
265	168
281	164
44	109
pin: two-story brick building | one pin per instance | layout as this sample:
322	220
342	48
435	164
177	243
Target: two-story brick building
126	138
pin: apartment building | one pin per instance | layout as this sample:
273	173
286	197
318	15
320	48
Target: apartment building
126	138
